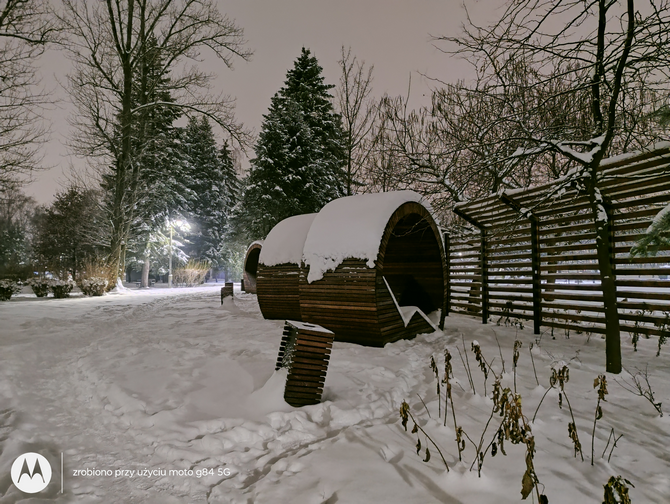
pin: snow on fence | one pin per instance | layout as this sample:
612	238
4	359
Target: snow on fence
367	267
534	254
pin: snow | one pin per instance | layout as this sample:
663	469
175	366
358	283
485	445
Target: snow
167	381
622	157
256	242
308	327
351	227
658	223
119	288
285	242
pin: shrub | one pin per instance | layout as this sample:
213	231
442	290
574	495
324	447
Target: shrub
61	288
93	275
8	288
40	286
94	286
192	274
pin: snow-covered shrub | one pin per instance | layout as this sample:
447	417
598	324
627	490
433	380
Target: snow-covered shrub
8	288
192	274
40	286
61	288
93	286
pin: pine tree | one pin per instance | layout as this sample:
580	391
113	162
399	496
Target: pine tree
158	160
157	143
213	182
68	232
299	155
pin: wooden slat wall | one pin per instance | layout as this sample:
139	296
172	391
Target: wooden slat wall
344	302
465	275
278	291
571	299
508	257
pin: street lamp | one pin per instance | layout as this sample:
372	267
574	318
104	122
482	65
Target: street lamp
170	260
180	223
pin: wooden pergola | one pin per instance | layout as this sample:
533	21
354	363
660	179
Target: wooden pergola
534	255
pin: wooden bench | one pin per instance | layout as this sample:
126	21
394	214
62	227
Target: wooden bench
151	283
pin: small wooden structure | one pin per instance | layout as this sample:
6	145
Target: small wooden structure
251	267
226	290
534	255
371	267
279	268
305	352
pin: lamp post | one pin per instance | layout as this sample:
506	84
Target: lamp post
170	260
182	225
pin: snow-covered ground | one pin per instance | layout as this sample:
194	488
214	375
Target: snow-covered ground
161	380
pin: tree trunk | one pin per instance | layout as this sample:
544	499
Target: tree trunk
121	205
608	285
145	273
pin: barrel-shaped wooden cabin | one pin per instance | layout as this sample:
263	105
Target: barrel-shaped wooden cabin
251	266
372	268
279	263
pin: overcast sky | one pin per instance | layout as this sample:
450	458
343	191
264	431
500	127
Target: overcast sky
393	35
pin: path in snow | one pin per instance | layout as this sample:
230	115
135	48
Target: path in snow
170	380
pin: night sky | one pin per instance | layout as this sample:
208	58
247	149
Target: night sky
396	36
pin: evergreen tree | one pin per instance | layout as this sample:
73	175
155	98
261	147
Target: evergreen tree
214	183
17	216
68	233
165	194
299	155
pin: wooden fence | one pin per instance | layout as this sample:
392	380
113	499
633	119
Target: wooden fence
533	256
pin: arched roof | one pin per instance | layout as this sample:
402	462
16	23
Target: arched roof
285	242
253	253
351	227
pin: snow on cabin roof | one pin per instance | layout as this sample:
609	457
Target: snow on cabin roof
255	242
285	242
351	227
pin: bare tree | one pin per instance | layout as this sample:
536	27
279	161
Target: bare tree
606	53
421	156
358	112
108	42
461	146
25	29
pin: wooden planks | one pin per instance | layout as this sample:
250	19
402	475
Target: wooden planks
353	300
278	291
566	268
305	352
226	290
343	301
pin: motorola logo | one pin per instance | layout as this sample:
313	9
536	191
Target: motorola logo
31	472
